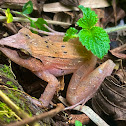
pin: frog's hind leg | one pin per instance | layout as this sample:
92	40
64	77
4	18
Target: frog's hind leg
87	86
83	71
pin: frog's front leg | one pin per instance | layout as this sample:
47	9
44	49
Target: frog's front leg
84	88
50	89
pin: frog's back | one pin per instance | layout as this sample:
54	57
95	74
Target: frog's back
57	48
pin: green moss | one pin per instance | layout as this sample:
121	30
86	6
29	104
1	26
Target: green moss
7	70
12	91
19	99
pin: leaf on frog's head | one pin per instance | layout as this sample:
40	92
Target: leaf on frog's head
93	38
96	40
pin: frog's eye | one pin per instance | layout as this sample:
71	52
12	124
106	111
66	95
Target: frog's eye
23	53
28	36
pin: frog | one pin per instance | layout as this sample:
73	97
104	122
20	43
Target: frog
48	57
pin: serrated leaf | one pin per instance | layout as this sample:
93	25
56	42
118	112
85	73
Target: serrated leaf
70	33
78	123
27	8
89	18
39	23
9	16
96	40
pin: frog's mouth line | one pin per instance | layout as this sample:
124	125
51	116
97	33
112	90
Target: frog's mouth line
21	52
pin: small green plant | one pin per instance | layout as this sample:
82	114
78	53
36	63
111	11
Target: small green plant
9	16
92	37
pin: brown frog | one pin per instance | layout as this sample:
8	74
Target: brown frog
50	57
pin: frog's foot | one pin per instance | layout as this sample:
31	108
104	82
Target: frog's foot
35	101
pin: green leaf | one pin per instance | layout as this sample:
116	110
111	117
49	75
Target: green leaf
9	16
27	8
70	33
89	18
78	123
96	39
39	23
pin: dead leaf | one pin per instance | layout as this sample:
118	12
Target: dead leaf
111	99
58	7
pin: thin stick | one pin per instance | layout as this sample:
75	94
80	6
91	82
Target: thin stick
50	29
46	33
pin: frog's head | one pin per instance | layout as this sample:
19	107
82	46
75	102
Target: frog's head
20	42
17	48
23	41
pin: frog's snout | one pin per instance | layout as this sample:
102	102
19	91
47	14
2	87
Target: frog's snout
16	41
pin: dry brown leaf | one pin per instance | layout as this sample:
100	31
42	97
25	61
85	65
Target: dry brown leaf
57	7
111	99
119	51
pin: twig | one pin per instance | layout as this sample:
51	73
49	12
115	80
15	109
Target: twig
50	113
50	29
73	106
46	33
